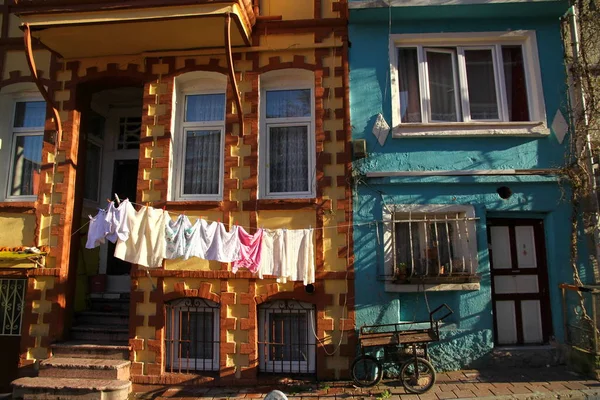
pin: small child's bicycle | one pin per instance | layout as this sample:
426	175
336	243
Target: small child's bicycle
403	347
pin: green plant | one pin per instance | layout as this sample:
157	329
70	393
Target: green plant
386	394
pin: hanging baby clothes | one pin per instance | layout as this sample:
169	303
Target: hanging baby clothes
146	243
118	224
272	254
213	242
97	230
250	250
299	256
176	236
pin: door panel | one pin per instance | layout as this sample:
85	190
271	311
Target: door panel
501	256
519	281
506	322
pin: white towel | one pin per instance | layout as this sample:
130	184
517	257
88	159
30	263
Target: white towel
118	223
299	256
273	254
146	242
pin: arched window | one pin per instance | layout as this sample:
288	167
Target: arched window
192	335
199	118
287	134
286	337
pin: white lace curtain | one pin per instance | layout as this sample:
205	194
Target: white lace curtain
288	149
202	159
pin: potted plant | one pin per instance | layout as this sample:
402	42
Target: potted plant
401	271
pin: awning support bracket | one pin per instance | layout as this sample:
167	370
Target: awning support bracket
238	100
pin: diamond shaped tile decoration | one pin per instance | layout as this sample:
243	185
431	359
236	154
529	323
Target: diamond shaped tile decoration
560	126
381	129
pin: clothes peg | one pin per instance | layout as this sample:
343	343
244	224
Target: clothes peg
118	199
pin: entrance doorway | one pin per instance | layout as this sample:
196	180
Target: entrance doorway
519	281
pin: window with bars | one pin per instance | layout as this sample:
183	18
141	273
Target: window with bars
286	337
431	244
12	302
192	335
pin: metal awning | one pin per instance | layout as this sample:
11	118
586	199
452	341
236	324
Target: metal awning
74	33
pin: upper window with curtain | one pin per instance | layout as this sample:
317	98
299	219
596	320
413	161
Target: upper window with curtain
26	150
200	136
287	140
470	83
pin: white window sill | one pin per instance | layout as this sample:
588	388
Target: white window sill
469	129
435	287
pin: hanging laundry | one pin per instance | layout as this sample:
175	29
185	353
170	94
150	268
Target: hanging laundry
250	250
176	234
272	254
146	243
299	256
117	221
211	241
97	230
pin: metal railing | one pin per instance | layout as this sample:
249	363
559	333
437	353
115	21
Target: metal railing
579	306
12	303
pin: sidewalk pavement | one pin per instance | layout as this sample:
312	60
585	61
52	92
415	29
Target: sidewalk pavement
491	383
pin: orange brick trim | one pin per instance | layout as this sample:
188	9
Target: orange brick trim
299	293
16	77
203	293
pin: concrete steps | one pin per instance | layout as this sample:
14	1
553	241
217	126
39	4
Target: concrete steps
94	365
48	388
100	334
84	368
78	349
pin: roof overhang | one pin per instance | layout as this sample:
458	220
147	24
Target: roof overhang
80	34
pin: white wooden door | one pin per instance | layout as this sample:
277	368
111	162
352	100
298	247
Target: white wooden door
519	282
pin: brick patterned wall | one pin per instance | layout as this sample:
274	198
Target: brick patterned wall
313	45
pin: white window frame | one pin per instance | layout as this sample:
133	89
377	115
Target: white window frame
280	80
14	133
429	209
276	307
459	42
196	83
94	141
188	364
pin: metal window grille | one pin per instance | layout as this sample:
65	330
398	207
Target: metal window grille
436	245
12	303
286	338
192	335
130	129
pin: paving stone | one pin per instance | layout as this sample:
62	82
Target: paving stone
500	391
482	392
445	395
447	387
464	394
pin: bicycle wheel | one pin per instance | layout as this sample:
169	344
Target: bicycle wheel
417	375
366	371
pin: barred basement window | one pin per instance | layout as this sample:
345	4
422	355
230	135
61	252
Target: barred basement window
192	337
286	337
12	300
433	243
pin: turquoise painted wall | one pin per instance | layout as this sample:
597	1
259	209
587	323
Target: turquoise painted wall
469	332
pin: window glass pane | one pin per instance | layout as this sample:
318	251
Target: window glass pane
92	171
288	159
197	335
205	107
408	261
288	103
202	162
27	158
440	66
30	114
516	86
410	96
288	334
129	133
482	84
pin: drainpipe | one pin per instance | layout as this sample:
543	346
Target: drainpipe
49	101
238	100
38	82
581	109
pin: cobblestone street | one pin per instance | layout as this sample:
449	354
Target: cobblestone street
533	383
